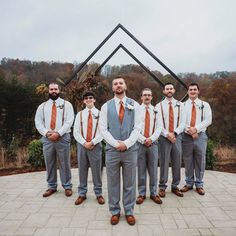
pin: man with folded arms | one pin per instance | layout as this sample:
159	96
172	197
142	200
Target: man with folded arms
120	126
198	118
89	148
148	151
171	117
53	120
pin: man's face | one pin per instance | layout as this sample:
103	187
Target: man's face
193	92
89	101
119	86
146	97
54	91
169	91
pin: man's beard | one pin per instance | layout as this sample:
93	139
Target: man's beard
169	95
119	92
54	96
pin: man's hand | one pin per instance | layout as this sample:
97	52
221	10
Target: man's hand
53	136
89	145
195	135
171	137
121	146
191	130
147	142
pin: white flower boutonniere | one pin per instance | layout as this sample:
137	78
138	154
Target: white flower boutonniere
155	110
177	104
61	106
201	107
129	106
95	116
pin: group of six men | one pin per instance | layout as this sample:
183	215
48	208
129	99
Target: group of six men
135	135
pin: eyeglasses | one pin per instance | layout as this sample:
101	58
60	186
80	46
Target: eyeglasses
146	95
89	97
193	89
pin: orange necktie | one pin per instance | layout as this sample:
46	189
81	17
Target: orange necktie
89	127
121	112
171	118
53	116
193	116
147	123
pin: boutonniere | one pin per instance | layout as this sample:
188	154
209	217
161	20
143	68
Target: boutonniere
61	106
155	110
201	107
96	116
129	106
177	104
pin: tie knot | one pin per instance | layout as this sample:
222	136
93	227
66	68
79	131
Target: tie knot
193	103
54	102
170	103
121	102
147	107
89	111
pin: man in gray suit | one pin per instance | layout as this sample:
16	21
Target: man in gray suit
171	117
53	120
120	126
148	151
198	118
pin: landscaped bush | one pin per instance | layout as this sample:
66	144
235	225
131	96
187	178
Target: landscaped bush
35	153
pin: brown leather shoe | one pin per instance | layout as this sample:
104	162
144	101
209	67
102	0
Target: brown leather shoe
115	219
140	199
130	219
177	192
68	192
80	199
200	191
100	200
156	199
185	189
49	192
162	193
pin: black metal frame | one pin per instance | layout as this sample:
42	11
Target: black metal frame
80	67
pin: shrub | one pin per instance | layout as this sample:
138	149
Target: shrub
35	153
210	157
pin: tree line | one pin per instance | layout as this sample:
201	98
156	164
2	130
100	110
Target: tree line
22	89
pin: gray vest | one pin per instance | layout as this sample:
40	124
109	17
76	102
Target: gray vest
117	130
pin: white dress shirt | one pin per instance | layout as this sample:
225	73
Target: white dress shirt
202	108
77	126
157	130
178	108
138	124
43	116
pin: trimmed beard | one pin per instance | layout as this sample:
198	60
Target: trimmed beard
54	96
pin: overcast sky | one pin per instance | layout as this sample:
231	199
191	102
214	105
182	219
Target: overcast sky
187	35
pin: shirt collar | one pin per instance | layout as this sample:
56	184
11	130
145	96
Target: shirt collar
57	101
143	106
117	100
173	101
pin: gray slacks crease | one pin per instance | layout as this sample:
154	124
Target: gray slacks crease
127	161
147	162
53	151
93	159
194	156
170	153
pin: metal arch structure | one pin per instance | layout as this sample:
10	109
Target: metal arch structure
119	26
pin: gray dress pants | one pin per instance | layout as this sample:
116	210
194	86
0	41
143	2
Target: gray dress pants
194	155
53	151
170	152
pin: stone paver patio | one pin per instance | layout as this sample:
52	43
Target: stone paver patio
23	210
